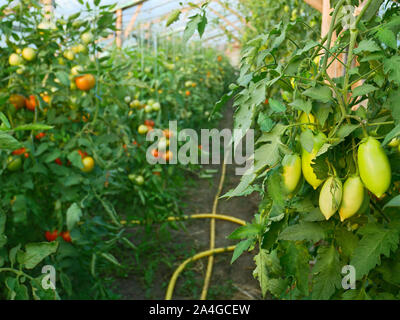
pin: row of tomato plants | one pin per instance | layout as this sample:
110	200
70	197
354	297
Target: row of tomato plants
75	172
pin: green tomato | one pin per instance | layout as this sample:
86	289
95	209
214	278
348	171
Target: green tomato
394	143
139	180
87	37
14	164
307	158
374	166
291	172
353	197
330	196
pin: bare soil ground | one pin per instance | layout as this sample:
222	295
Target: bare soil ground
228	281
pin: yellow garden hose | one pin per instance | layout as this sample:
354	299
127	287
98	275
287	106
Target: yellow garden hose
208	253
212	235
196	216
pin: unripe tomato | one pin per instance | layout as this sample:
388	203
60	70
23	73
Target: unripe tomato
85	82
17	100
330	196
163	144
127	99
69	54
139	180
87	37
374	166
148	109
29	54
143	129
88	164
76	70
307	158
14	163
31	102
353	197
291	172
394	143
156	106
307	118
15	60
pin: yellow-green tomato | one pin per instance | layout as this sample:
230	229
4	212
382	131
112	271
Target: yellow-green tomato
15	60
143	129
291	172
353	197
29	54
394	143
307	158
374	166
330	196
307	118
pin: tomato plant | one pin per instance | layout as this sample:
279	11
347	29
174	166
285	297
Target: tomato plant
345	208
76	175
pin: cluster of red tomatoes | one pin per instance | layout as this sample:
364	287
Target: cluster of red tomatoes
53	235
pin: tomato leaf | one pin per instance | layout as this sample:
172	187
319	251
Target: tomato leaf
320	93
391	135
240	248
36	252
74	214
303	231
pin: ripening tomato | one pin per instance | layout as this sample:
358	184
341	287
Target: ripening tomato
330	196
66	236
307	158
88	164
167	156
167	133
374	166
291	172
353	197
187	93
51	235
31	103
17	100
85	82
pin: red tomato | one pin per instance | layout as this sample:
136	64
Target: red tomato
83	154
66	236
51	235
19	151
40	135
149	123
26	155
155	153
58	161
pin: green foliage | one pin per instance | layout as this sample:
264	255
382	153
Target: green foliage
284	74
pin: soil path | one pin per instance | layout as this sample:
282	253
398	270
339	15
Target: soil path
228	281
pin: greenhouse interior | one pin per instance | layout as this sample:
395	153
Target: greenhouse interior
200	150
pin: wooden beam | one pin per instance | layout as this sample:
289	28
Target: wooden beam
129	28
225	19
241	18
119	28
316	4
